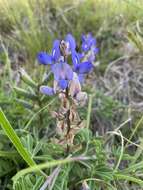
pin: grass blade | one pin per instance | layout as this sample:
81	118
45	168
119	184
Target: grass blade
9	131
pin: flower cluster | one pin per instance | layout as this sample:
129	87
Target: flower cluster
66	75
68	78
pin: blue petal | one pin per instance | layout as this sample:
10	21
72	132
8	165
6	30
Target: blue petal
46	90
63	84
83	68
87	42
75	58
81	78
83	37
91	40
71	40
85	46
44	58
62	71
56	50
81	55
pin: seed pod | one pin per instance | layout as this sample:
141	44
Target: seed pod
25	93
26	78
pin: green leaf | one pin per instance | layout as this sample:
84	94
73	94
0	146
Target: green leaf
15	139
26	78
129	178
25	93
51	164
8	154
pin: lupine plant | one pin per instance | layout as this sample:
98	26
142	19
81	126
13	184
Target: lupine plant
69	69
66	71
76	153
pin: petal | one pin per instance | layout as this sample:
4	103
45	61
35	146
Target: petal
81	55
83	37
68	71
62	71
75	58
91	40
63	84
70	39
56	50
46	90
81	78
84	67
55	70
44	58
85	46
88	41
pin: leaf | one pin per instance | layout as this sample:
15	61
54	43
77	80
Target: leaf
46	165
129	178
26	78
25	93
8	154
15	139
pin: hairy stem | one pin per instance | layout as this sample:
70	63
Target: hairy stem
68	119
68	114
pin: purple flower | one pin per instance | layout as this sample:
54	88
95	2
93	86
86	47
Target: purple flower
89	47
75	58
62	74
83	68
66	76
71	42
47	59
56	50
44	58
87	42
46	90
